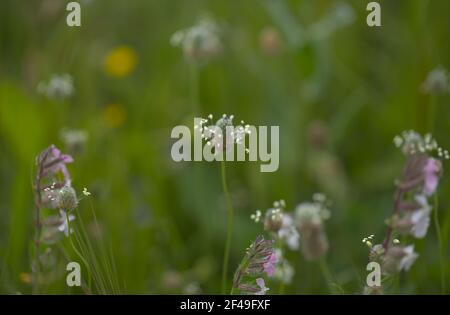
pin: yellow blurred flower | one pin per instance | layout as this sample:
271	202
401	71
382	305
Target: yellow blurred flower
114	115
25	277
120	61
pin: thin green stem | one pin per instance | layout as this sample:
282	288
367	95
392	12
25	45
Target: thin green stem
431	113
37	241
439	237
430	125
326	273
230	215
76	250
283	270
194	88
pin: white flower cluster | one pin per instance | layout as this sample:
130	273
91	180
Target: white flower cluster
201	42
74	138
411	142
57	87
313	212
222	134
256	216
368	240
437	82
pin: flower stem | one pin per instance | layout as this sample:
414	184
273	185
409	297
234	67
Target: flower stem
194	88
230	215
439	237
77	252
38	227
398	198
431	123
431	113
326	273
36	269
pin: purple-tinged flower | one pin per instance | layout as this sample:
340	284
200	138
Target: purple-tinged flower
415	217
420	218
398	258
262	285
408	259
254	289
258	260
431	171
269	265
52	161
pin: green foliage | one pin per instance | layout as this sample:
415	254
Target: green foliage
160	226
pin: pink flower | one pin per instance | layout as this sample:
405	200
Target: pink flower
54	162
269	265
431	176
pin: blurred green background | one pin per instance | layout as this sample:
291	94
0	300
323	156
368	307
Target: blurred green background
339	90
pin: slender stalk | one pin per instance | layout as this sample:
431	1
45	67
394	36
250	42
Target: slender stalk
38	224
36	267
282	285
431	123
431	113
439	237
326	273
76	250
398	198
230	216
194	88
86	288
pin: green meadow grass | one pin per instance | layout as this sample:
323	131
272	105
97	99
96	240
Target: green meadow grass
162	225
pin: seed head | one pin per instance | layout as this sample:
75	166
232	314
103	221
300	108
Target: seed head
67	198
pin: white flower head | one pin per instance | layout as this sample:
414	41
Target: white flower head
368	240
412	142
437	82
73	138
256	216
222	134
57	87
201	42
311	212
288	233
